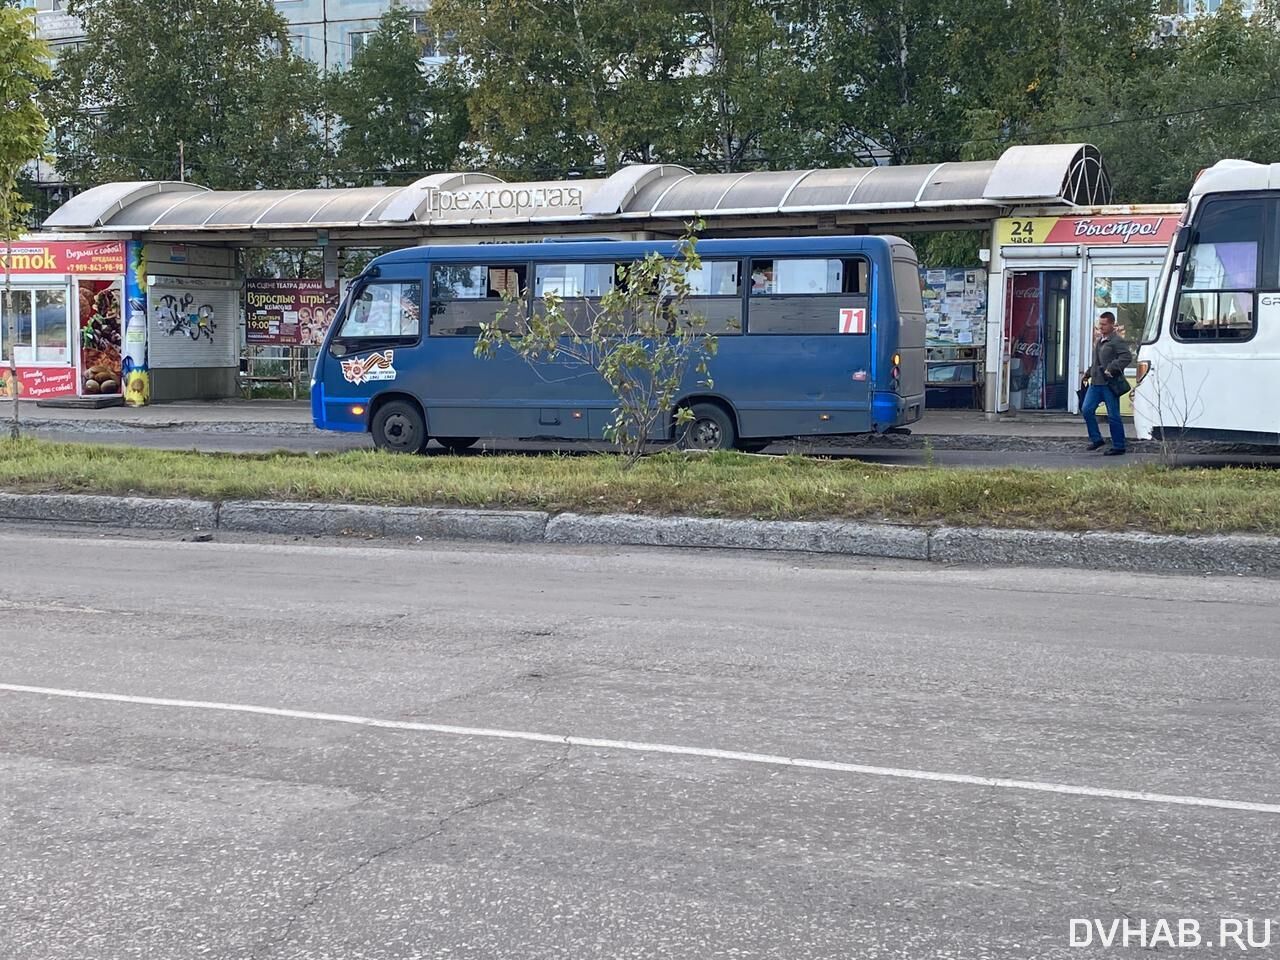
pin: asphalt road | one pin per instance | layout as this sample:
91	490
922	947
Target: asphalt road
1075	457
352	828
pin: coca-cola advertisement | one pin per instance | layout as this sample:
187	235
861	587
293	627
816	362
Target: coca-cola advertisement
1026	343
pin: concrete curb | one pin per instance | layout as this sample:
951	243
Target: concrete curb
857	539
1139	552
141	512
251	428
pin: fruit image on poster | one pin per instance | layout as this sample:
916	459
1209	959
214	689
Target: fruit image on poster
100	323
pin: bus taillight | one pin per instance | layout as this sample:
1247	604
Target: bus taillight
1144	367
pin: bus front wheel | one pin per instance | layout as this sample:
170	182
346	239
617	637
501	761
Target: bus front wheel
710	429
398	427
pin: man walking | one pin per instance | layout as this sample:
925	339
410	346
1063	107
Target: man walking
1107	384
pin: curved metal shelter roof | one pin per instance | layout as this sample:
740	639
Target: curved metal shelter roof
648	197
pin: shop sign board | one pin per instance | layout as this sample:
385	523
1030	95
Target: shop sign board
45	258
40	383
1108	230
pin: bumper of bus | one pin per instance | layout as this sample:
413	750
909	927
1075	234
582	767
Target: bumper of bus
341	415
889	410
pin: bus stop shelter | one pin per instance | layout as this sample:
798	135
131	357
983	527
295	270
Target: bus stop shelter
184	322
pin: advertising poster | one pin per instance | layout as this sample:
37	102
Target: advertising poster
134	371
280	312
100	336
40	383
955	306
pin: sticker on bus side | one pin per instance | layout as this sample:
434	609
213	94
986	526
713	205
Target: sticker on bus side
376	366
853	320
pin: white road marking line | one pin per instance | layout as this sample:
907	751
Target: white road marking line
1140	796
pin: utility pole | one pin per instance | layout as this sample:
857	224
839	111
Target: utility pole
182	162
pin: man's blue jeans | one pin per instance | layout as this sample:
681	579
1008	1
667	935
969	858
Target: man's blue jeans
1101	393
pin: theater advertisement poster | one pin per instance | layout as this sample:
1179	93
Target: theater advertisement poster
288	312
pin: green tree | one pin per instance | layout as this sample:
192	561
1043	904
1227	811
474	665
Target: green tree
755	93
1205	95
638	340
559	85
397	116
1018	88
24	66
216	82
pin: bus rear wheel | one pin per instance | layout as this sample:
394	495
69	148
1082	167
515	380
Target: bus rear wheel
456	444
710	429
398	427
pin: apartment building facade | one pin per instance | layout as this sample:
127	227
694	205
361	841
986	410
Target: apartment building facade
328	32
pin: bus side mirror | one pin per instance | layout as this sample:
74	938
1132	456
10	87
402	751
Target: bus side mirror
1182	240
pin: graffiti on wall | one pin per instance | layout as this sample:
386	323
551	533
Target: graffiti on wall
175	317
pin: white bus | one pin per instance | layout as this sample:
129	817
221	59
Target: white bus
1209	363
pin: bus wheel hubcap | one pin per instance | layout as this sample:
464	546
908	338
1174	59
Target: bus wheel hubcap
706	435
399	430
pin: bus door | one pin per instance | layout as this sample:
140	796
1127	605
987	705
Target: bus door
372	349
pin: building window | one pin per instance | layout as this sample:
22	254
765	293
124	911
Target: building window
435	47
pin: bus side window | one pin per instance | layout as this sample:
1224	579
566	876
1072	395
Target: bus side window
464	296
579	287
804	295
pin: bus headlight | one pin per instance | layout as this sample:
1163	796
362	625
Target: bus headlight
1144	367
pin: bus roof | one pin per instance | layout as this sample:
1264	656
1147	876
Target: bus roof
1227	176
629	249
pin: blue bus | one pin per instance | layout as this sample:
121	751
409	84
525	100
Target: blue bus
817	336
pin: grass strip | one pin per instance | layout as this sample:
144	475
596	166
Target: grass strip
720	485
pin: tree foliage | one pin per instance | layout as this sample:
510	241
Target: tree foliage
24	66
638	339
1211	93
396	115
219	79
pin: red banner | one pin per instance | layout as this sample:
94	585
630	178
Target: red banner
40	383
1100	231
106	257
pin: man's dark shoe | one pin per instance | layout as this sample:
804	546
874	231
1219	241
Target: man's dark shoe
1095	445
1114	452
